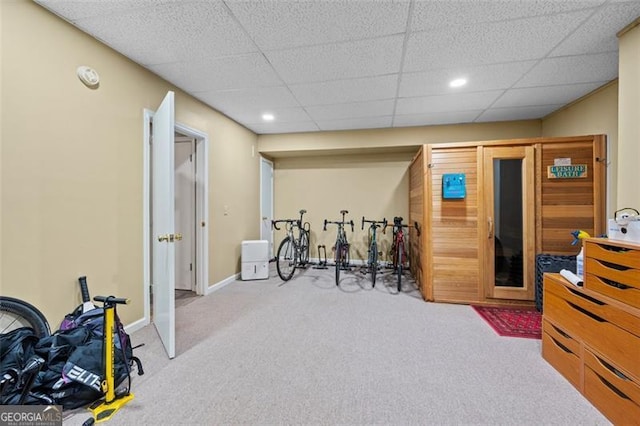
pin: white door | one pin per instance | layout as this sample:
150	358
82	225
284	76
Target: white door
163	222
266	202
185	213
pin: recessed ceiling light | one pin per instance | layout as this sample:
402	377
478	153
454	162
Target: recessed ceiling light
267	117
458	82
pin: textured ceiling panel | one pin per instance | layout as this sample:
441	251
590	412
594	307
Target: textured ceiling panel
487	43
356	123
595	35
446	103
344	91
282	24
352	110
545	95
488	77
339	64
435	118
335	61
230	72
171	32
572	70
517	113
436	14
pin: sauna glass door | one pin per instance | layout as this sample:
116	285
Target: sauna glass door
509	222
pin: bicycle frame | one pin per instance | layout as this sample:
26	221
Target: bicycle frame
342	244
293	251
372	262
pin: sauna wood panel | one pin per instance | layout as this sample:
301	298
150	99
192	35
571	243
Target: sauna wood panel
416	215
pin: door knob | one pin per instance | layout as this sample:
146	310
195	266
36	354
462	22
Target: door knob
162	238
178	237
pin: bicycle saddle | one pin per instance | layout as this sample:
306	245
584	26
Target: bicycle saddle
344	211
303	211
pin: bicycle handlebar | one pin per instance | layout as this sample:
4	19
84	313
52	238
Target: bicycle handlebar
274	223
374	223
328	222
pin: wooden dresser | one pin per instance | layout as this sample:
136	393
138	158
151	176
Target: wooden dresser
591	335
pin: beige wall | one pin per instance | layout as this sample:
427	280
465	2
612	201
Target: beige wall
372	185
629	123
71	167
299	144
595	114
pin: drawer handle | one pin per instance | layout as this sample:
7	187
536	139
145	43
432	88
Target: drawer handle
613	248
613	388
615	284
561	346
613	266
587	313
611	368
584	296
560	332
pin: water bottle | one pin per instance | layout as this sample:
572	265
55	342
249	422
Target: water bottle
580	263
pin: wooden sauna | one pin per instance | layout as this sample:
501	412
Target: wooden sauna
520	197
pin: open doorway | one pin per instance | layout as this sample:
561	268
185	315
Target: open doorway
188	264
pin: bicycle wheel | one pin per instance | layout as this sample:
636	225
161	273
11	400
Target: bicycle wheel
373	262
286	260
16	313
303	249
399	258
338	261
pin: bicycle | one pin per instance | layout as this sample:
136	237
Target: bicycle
293	252
16	313
372	261
398	250
342	244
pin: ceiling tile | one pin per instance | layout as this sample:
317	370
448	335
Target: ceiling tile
76	9
435	118
346	91
362	58
230	72
447	103
236	102
596	34
282	115
572	70
485	43
352	110
434	14
274	128
517	113
488	77
356	123
282	24
545	95
171	33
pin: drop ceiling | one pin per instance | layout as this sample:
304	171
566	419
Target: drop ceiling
321	65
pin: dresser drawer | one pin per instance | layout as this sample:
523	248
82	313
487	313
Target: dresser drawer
565	358
595	323
615	394
561	336
613	269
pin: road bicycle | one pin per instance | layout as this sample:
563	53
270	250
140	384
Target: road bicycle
342	244
372	261
293	251
398	247
16	313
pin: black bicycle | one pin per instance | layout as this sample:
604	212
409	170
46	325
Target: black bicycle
342	244
16	313
293	251
372	260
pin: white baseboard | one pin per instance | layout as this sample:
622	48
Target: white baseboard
136	325
220	284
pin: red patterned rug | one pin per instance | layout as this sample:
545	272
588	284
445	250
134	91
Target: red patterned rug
512	321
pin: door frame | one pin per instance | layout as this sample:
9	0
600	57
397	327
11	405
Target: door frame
201	210
264	160
527	154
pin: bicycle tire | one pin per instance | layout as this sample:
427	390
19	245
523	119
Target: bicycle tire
287	260
304	248
338	262
16	313
373	264
399	267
